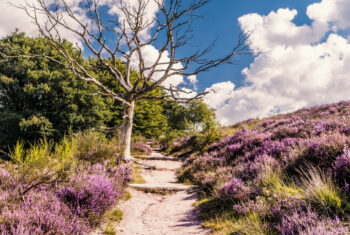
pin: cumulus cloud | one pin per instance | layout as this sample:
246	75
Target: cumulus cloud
335	12
13	17
149	13
295	66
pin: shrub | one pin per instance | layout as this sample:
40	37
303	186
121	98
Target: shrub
310	223
327	227
39	165
297	222
324	150
342	170
140	148
40	213
91	193
95	148
234	190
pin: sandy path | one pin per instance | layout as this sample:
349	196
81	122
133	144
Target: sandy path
150	213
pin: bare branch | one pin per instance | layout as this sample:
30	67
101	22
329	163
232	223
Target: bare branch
171	28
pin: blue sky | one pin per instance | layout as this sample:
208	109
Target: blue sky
301	53
222	24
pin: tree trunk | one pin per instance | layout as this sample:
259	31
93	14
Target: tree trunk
126	130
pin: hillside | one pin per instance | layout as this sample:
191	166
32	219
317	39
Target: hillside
288	174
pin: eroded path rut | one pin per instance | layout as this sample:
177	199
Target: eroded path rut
152	213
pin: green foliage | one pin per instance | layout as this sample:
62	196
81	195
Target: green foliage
149	119
42	163
115	215
193	117
274	186
109	230
94	147
249	224
39	98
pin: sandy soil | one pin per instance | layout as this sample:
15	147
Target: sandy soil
149	213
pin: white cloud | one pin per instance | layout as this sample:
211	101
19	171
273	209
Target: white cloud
149	13
277	28
11	18
294	65
150	56
193	81
336	12
219	93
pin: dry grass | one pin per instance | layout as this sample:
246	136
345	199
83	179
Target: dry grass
136	176
320	189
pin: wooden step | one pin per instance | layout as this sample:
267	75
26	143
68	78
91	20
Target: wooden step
159	158
160	189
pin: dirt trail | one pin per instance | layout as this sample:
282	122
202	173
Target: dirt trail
152	213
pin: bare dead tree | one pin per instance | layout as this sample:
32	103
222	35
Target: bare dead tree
112	38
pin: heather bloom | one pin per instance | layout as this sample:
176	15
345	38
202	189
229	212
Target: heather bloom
141	147
124	172
310	223
327	227
91	197
3	174
40	213
234	190
318	136
297	222
342	169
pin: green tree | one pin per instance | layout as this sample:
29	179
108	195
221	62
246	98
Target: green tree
116	37
195	116
39	98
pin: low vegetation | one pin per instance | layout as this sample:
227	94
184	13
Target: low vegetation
287	174
62	188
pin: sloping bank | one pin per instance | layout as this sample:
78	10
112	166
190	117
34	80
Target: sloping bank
287	174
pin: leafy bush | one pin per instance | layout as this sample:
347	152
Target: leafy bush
42	163
95	148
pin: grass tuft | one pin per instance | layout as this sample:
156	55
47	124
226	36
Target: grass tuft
137	177
320	189
115	215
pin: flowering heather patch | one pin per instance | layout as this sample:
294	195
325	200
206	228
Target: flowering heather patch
93	189
288	144
40	213
91	197
141	148
234	190
69	206
342	170
309	222
3	174
124	173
